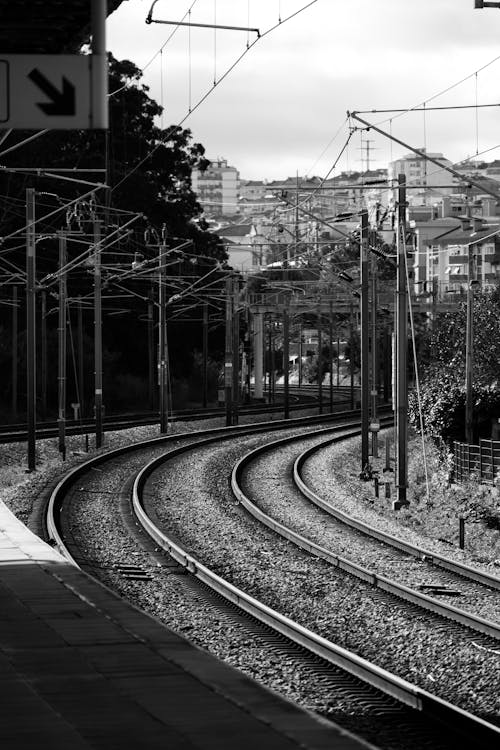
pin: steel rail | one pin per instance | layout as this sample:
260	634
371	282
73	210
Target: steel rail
369	673
18	432
62	487
409	694
479	624
420	552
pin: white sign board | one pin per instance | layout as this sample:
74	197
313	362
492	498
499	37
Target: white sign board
47	91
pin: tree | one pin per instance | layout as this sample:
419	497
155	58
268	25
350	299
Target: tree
443	380
148	170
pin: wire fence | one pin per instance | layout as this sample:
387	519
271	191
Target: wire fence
481	462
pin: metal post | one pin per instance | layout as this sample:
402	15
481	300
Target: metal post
14	351
272	380
97	335
162	340
401	352
258	350
81	386
99	65
286	358
300	354
205	356
338	358
236	351
43	354
351	353
469	349
374	391
151	352
31	327
228	364
365	333
330	332
61	337
320	365
461	532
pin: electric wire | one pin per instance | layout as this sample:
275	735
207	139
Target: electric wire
228	70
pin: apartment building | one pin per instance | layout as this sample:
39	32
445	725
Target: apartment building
217	188
421	172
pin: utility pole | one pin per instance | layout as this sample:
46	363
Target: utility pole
43	353
469	346
236	351
365	333
61	331
330	331
205	355
81	387
14	351
31	327
286	357
151	351
228	360
351	353
162	336
320	363
97	333
401	352
374	426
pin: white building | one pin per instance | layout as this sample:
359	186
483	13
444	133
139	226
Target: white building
421	171
217	188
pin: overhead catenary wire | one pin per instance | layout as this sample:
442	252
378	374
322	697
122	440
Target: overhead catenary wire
228	70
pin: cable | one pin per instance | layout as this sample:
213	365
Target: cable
207	93
444	91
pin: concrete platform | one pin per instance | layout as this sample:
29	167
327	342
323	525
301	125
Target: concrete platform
81	668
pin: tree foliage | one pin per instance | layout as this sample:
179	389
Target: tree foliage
443	380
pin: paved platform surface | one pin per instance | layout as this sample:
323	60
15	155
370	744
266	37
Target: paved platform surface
81	668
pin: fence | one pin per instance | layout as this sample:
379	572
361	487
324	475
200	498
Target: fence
481	461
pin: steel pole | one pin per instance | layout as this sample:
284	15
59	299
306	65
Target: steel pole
43	354
330	335
401	352
81	386
469	349
365	333
31	327
320	365
205	355
162	340
374	391
151	352
236	351
286	359
14	351
61	337
228	363
98	402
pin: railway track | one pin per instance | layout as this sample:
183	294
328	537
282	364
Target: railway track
298	401
335	680
391	564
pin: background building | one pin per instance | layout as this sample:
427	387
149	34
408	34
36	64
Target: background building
217	188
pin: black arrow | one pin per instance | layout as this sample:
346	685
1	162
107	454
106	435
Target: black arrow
63	102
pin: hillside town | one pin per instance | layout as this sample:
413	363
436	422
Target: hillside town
264	223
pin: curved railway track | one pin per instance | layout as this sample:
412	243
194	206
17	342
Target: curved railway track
390	568
377	679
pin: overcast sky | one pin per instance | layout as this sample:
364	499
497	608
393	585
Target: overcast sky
282	109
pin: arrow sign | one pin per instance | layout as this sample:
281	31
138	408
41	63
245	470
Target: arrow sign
53	92
62	102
